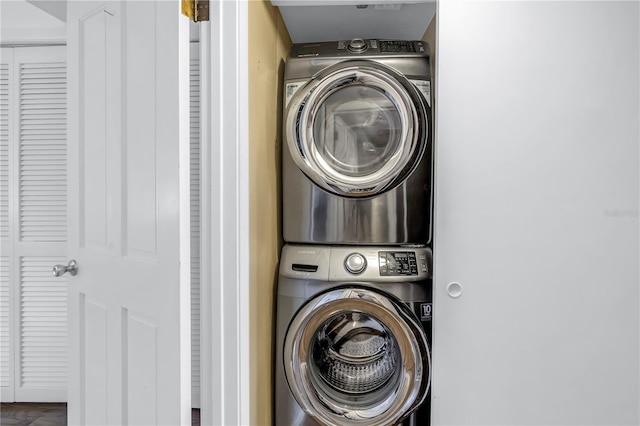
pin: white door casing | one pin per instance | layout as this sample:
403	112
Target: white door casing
224	315
129	321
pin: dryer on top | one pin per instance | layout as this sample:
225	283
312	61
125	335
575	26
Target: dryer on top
357	160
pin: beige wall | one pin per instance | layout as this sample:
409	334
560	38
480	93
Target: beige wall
268	45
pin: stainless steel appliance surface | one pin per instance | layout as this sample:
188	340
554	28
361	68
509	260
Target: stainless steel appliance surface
357	154
353	336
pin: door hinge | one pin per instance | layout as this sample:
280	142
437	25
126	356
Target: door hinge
197	10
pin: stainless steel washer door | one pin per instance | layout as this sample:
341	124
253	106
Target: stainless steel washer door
357	129
354	356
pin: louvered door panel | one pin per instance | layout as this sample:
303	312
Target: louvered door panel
6	318
43	165
5	354
195	225
4	152
43	324
33	228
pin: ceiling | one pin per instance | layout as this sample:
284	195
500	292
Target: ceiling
56	8
327	20
306	20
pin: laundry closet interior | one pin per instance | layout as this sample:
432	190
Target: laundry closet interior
518	198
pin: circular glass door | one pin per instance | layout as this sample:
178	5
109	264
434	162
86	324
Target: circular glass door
354	356
357	129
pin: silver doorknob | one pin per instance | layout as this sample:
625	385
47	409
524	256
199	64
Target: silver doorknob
60	270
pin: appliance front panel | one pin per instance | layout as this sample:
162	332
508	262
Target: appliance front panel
293	293
399	216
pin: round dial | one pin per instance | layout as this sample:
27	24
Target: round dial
357	45
355	263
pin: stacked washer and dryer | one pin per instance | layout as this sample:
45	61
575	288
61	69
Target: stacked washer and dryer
354	291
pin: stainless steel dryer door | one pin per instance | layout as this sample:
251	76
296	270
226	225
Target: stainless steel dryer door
354	356
357	129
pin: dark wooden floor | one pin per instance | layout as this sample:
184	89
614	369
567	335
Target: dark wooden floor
41	414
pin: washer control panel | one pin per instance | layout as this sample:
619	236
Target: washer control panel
401	263
390	263
362	263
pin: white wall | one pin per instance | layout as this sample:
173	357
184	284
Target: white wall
537	214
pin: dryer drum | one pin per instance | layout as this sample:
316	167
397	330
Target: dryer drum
355	129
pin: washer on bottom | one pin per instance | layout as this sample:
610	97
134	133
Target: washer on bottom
353	336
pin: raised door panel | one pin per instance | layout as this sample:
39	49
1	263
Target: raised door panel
142	161
96	130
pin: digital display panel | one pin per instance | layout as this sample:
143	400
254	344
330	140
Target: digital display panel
395	263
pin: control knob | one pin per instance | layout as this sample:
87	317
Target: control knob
357	45
355	263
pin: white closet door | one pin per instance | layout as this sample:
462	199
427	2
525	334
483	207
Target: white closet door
129	304
35	216
537	220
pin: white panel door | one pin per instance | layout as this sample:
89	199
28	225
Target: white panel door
537	214
129	213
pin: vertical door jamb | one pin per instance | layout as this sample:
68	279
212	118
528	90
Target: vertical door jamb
225	215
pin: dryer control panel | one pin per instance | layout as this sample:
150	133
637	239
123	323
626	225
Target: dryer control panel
358	48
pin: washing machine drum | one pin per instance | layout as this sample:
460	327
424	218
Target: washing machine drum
355	356
357	129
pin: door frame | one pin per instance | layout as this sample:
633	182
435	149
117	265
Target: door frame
224	297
